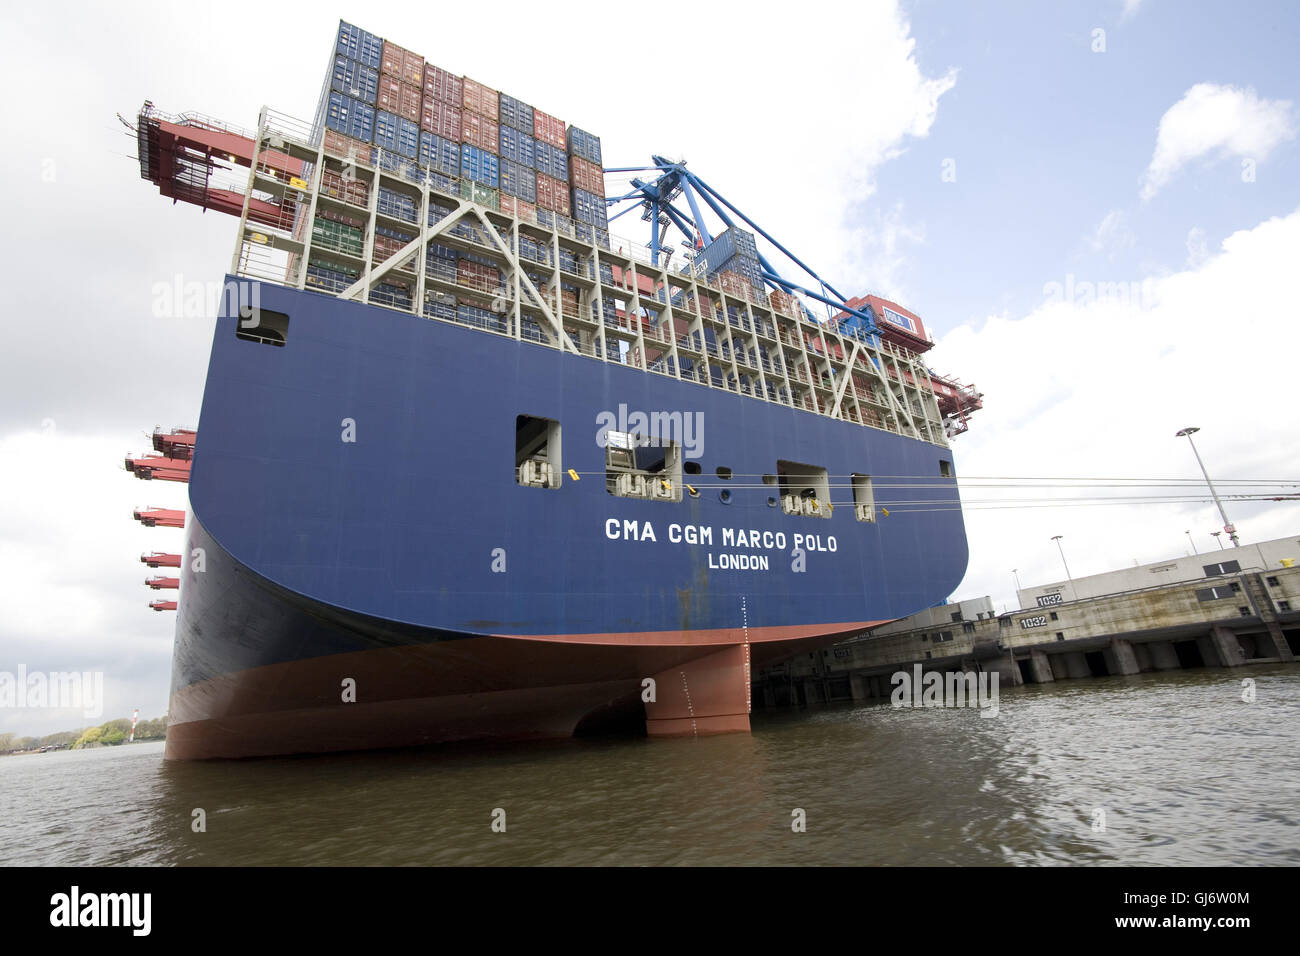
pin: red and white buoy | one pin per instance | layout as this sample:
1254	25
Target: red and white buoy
134	718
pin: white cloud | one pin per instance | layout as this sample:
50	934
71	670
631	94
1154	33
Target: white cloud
1198	247
1098	388
1221	120
1130	10
796	144
1112	234
882	240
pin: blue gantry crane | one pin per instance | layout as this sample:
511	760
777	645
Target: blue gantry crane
657	198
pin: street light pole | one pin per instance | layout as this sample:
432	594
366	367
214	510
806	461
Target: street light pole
1216	538
1227	525
1190	541
1016	572
1057	539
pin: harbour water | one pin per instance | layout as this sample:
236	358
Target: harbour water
1155	769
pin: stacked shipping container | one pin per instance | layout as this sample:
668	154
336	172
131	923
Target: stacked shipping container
356	44
387	95
733	253
355	79
385	104
587	189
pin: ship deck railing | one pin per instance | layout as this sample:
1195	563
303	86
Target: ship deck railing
719	333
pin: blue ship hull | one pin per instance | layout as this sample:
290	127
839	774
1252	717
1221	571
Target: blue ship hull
460	603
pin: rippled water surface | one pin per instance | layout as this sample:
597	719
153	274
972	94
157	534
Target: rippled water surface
1182	770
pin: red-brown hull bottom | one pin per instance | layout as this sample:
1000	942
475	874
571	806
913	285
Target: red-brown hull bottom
474	688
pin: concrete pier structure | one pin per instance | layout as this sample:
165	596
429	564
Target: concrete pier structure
1225	608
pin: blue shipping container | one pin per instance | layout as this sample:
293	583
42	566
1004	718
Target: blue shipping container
396	163
355	79
581	143
589	208
731	244
439	154
396	204
438	212
397	134
742	243
516	114
518	181
356	44
517	147
350	117
479	165
551	161
440	261
445	183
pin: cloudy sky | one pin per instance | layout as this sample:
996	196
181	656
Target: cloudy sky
1095	206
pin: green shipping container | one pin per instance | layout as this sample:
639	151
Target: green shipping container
338	236
483	195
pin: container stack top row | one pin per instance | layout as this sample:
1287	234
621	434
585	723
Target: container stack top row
380	97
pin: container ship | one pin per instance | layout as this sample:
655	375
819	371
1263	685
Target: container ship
469	465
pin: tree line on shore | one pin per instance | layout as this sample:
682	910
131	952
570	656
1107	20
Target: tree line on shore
108	734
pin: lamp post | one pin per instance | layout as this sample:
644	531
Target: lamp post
1057	539
1216	538
1190	541
1016	572
1227	525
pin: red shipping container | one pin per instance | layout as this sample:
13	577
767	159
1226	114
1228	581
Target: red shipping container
386	246
390	93
587	176
441	119
734	284
552	194
481	99
443	86
481	132
409	108
548	129
413	69
334	215
392	60
475	275
354	191
513	206
783	302
346	146
403	64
